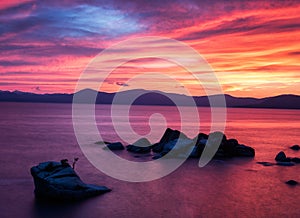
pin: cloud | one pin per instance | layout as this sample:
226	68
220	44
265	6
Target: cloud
16	63
47	44
121	84
14	73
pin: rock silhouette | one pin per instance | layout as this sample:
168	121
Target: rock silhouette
291	182
58	181
172	139
295	147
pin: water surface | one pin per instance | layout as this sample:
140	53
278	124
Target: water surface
32	133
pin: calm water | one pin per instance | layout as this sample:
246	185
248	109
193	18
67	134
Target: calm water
33	133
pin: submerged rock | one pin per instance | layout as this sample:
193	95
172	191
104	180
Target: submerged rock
291	182
115	146
295	147
58	181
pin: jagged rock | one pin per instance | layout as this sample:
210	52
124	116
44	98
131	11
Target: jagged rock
168	136
115	146
58	181
295	147
140	146
218	135
200	141
281	157
291	182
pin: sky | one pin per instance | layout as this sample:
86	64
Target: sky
252	46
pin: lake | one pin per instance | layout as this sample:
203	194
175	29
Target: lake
31	133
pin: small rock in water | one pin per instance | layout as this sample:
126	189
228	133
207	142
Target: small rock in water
292	182
281	157
295	147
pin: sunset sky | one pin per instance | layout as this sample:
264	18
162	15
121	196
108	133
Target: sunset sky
254	47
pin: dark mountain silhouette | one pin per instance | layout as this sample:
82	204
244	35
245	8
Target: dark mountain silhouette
144	97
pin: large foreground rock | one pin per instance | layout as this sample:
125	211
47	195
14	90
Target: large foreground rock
58	181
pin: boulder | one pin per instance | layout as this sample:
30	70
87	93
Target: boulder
281	157
115	146
140	146
291	182
295	147
59	181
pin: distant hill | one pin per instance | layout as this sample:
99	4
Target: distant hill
153	98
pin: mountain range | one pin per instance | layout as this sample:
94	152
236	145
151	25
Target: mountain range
154	98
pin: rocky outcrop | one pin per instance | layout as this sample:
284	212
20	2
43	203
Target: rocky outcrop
227	148
170	138
58	181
